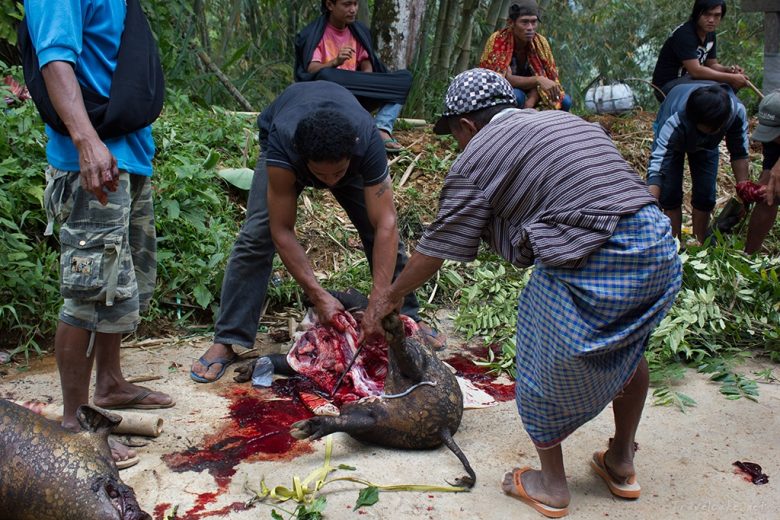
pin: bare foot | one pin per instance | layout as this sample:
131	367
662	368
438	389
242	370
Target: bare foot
217	351
555	496
119	451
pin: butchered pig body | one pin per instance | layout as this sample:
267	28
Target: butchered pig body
49	473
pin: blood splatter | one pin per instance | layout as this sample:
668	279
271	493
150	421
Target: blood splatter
160	510
466	368
752	472
258	428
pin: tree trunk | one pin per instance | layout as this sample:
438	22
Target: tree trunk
464	34
494	13
503	14
450	23
437	69
232	25
364	15
395	25
200	23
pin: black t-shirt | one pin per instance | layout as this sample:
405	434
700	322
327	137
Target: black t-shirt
684	44
771	154
279	121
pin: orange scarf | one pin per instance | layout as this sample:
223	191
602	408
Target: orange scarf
498	55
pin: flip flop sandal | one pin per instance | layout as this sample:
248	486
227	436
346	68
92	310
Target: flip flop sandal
136	402
391	149
127	463
521	495
430	332
226	362
628	489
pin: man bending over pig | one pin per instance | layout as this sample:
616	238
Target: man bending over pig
314	134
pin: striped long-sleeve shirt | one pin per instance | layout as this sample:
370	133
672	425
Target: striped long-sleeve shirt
534	185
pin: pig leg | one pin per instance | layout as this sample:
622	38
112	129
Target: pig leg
353	422
465	481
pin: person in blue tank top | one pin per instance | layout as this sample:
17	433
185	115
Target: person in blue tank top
99	193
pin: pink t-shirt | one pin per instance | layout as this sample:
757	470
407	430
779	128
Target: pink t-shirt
332	41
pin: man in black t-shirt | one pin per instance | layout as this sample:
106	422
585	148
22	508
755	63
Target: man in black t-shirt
690	53
314	134
768	134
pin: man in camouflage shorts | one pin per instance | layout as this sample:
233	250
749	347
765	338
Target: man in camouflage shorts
99	192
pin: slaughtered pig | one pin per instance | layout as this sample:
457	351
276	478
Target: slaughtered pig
49	473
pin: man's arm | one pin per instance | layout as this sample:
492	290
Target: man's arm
662	154
382	215
419	269
532	82
737	80
772	194
97	164
741	169
366	66
282	212
345	53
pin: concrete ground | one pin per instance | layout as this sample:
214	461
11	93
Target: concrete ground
684	463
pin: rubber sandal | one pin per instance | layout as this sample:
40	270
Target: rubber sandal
522	496
127	463
629	489
430	335
391	149
136	402
226	362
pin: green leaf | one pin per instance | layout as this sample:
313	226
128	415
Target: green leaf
239	177
367	497
202	295
346	467
275	515
211	161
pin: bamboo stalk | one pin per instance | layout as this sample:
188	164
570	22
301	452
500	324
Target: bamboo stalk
409	170
225	80
758	92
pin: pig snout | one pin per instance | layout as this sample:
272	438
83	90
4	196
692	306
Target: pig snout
119	500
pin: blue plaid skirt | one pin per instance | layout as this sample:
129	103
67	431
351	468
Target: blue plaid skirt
582	332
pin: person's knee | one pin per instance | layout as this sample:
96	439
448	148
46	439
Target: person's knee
670	199
566	103
704	198
520	97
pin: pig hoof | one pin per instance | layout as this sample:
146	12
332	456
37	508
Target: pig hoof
465	482
309	428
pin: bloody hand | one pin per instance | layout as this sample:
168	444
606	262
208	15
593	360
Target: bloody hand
749	191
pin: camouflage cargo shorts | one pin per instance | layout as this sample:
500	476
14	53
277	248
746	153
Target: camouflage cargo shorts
108	254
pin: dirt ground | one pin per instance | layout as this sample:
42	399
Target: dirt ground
684	462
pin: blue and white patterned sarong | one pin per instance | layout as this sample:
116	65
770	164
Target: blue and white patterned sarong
582	332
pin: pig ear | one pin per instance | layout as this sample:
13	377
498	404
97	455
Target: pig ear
97	420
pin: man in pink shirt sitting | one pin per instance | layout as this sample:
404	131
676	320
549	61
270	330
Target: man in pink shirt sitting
336	47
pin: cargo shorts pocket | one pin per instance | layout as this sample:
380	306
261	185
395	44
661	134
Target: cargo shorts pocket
57	196
94	266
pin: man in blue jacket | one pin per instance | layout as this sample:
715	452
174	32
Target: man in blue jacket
99	192
692	121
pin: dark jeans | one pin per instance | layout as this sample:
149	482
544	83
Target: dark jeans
251	260
704	173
